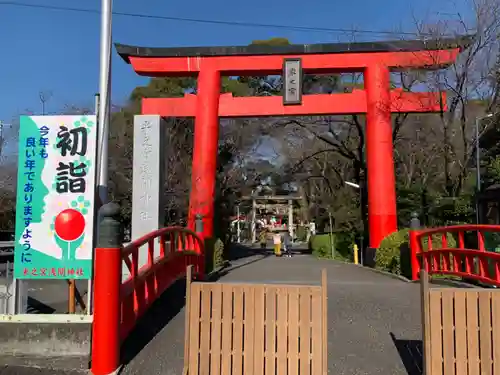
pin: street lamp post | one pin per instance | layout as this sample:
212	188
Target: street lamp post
478	165
357	186
105	99
238	231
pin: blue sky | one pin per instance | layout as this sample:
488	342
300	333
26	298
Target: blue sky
58	51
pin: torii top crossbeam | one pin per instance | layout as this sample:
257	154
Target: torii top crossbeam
374	59
259	60
351	56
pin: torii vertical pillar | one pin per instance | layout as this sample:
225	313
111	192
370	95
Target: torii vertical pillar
382	217
206	140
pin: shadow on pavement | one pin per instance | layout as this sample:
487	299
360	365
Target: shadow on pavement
238	251
163	310
172	301
411	353
232	268
37	307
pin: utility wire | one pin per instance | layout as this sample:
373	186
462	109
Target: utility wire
213	22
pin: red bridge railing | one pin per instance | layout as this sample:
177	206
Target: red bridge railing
471	263
178	248
118	305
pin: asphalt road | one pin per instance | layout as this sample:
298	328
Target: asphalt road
373	320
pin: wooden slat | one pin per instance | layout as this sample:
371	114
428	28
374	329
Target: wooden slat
495	327
238	331
472	332
485	332
286	286
270	330
194	330
426	338
259	330
216	336
282	334
460	333
227	328
324	321
469	321
305	331
243	329
447	324
436	332
293	332
206	301
187	319
317	349
249	329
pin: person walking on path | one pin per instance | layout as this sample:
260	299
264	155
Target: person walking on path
277	244
263	238
287	244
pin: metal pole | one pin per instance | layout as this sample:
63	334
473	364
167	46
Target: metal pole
254	216
362	241
238	231
478	170
1	136
90	285
105	94
361	248
97	99
478	165
331	235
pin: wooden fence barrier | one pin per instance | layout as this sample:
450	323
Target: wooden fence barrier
255	329
461	330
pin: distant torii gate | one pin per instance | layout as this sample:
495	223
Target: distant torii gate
256	198
377	100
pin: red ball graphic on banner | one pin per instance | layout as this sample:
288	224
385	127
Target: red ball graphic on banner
69	224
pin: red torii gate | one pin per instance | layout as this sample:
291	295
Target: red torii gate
377	100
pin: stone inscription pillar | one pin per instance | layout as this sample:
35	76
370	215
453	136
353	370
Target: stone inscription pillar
147	180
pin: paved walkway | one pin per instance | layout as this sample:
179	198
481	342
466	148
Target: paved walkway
373	320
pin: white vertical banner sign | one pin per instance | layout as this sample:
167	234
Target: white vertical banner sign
55	197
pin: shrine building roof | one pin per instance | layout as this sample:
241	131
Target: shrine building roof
461	42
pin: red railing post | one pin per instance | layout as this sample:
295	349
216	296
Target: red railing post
414	246
107	285
201	248
414	249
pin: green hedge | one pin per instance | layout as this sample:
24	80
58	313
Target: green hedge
320	246
214	253
301	233
393	254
